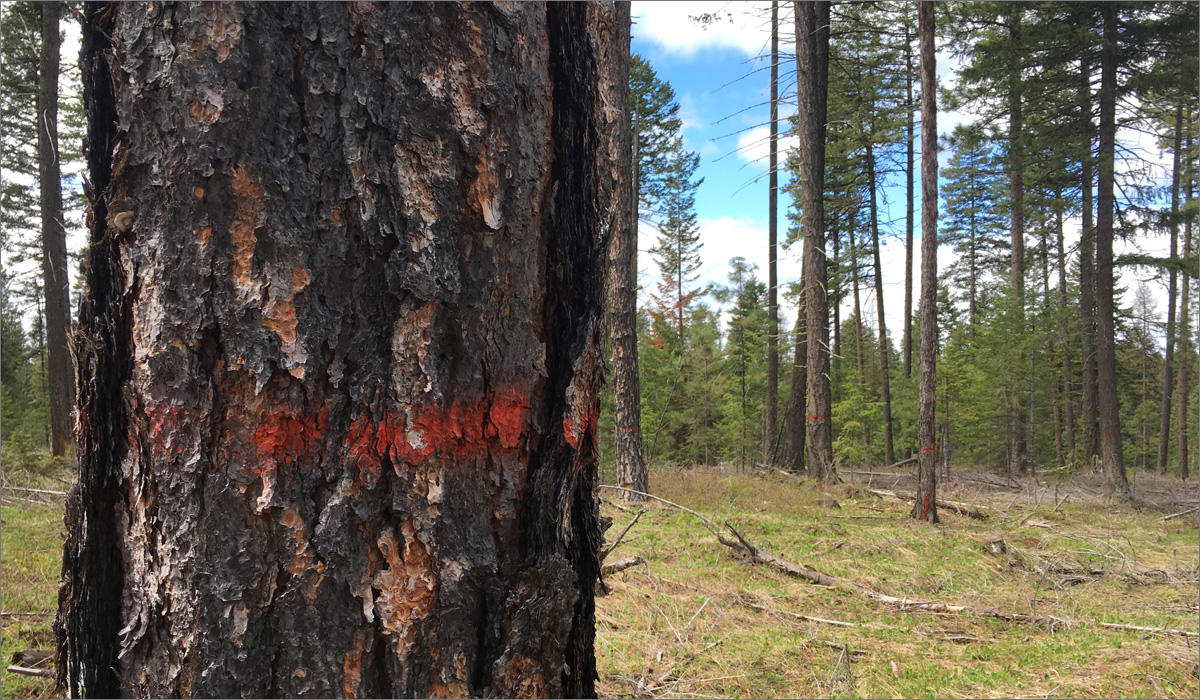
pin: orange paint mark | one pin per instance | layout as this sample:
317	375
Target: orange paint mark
568	434
507	418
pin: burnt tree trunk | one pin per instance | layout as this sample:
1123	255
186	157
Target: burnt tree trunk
771	417
797	418
884	351
340	364
629	449
54	239
1090	404
1111	453
812	79
1164	429
925	504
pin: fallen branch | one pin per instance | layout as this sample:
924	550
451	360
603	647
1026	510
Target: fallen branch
620	537
712	527
952	506
1180	514
29	490
1160	630
620	565
21	670
27	614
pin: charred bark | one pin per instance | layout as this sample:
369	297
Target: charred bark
340	391
798	396
629	449
925	504
55	280
1111	452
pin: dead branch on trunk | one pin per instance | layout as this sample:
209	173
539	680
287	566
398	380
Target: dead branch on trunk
971	511
620	537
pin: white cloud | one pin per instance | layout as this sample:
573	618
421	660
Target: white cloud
754	146
745	27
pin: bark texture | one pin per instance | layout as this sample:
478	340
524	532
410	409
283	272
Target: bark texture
909	173
1016	193
1183	366
885	351
629	448
339	386
925	504
1090	404
54	240
1111	454
1164	430
771	417
812	70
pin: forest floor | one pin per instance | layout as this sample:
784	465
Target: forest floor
700	619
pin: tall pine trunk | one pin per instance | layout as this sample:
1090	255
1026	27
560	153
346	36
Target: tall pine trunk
1064	331
1090	404
1016	194
1111	452
340	362
856	287
812	78
909	173
1164	429
629	449
771	417
925	505
54	240
797	418
1183	368
884	353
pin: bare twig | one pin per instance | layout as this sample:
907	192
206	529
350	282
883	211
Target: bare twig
21	670
621	536
712	527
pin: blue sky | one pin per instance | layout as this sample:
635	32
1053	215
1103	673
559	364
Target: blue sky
719	82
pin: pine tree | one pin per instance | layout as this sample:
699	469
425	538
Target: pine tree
677	253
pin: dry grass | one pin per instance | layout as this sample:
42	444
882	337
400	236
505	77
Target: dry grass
657	635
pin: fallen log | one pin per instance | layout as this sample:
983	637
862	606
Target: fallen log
620	565
21	670
1180	514
966	509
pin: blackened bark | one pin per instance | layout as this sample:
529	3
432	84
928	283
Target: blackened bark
622	259
925	505
54	240
884	350
1111	453
341	385
812	71
89	618
909	173
772	251
1164	429
1090	404
1016	193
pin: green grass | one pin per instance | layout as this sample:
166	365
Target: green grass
646	647
657	635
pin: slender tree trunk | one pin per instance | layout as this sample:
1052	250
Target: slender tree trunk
340	377
798	397
772	253
855	286
1064	331
1164	429
1056	395
1183	366
622	259
884	353
973	274
1090	404
925	505
835	302
54	240
812	71
1110	416
909	173
1016	192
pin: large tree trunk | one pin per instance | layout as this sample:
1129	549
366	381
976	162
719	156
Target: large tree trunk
812	71
908	207
1110	416
1182	371
884	352
340	370
622	259
771	417
54	240
1164	429
1090	404
925	505
1016	194
797	418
